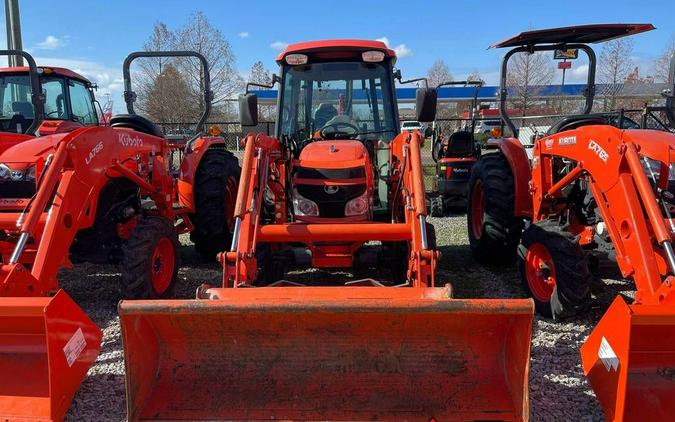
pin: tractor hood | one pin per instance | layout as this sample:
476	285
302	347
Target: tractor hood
333	151
31	150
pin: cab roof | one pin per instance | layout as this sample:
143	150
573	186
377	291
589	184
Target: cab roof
60	71
585	34
337	46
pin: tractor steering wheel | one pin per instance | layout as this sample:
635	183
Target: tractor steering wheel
332	130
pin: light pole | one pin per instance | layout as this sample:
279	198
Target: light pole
13	25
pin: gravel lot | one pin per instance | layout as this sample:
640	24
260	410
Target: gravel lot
558	389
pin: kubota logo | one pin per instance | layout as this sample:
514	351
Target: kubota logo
127	140
97	148
597	149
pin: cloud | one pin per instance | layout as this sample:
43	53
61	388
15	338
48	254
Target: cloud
244	34
279	45
401	50
50	43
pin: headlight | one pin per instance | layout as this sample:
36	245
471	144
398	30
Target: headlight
4	172
304	207
23	175
358	206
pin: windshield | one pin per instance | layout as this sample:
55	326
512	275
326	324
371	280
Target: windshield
354	97
16	96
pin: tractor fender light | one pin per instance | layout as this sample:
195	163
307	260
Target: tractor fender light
296	59
372	56
214	131
496	132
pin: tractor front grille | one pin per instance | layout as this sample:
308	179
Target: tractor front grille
330	199
17	189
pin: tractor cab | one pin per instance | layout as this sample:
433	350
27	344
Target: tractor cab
42	101
337	115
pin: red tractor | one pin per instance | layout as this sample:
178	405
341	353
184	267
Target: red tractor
455	155
590	186
39	101
366	331
101	194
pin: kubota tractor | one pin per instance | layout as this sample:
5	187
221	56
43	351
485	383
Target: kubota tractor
591	186
39	101
337	189
102	194
455	155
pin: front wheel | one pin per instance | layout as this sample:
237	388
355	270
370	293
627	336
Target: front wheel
554	270
150	260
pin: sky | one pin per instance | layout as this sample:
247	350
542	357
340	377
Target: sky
94	36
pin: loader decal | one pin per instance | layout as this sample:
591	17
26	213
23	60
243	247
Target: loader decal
607	356
74	347
127	140
94	151
598	150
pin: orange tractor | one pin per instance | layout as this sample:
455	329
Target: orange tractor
587	186
102	194
340	193
39	101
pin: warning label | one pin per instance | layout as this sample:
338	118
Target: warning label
74	347
607	355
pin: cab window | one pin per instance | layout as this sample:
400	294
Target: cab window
81	104
54	92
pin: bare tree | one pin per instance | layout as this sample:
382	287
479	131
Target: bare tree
527	74
662	64
168	85
438	73
475	77
196	35
260	75
615	66
200	36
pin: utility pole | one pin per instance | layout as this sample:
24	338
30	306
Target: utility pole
13	25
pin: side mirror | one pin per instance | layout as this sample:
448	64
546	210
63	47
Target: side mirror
428	132
248	109
425	104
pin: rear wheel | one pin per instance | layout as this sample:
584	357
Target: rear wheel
216	184
554	270
494	230
436	206
150	260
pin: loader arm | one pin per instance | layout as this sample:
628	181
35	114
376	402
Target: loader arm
629	356
610	160
66	199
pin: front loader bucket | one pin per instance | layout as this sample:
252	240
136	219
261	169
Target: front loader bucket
629	359
47	344
327	353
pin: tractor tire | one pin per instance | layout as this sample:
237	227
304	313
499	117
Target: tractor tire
436	206
494	230
150	260
211	233
554	270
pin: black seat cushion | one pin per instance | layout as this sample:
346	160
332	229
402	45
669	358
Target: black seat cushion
460	144
137	123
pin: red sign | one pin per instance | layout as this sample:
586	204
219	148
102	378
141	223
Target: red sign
564	65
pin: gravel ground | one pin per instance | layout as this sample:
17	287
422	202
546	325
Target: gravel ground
558	389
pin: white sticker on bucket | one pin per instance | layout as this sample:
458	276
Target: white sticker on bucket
607	355
74	347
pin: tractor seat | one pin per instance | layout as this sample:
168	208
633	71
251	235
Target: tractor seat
460	144
137	123
577	120
24	108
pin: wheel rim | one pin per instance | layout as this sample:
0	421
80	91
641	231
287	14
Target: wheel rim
540	272
162	263
477	209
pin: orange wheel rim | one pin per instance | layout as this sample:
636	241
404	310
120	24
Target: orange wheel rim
162	264
540	272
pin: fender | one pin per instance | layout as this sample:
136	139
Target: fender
517	158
